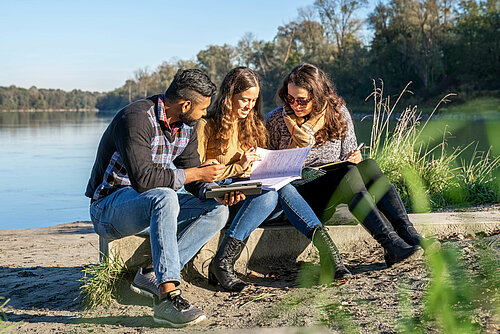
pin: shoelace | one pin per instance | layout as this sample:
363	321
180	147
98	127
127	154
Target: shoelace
179	302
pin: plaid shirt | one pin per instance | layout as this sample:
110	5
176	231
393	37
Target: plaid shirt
163	152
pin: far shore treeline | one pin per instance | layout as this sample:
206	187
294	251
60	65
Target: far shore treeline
15	98
441	46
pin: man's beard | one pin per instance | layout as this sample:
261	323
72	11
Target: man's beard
187	119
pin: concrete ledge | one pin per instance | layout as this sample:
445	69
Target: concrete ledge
272	244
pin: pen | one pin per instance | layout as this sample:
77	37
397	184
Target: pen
359	146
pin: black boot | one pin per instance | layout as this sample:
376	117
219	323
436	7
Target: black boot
394	210
221	268
329	256
395	248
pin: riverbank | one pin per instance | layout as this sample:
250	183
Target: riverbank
40	269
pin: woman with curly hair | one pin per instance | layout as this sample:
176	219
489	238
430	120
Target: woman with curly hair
232	131
314	115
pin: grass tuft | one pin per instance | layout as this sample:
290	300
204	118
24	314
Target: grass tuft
427	177
100	281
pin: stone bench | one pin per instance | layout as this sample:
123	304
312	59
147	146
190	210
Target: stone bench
273	243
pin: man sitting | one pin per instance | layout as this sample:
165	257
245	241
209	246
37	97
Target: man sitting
132	186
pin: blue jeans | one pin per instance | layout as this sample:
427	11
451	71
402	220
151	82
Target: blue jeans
256	209
180	224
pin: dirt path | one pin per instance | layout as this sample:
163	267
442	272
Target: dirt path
40	269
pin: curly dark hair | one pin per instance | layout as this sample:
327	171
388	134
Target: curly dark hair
322	91
251	130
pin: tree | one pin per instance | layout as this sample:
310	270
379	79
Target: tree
410	42
245	50
143	77
217	61
475	54
341	25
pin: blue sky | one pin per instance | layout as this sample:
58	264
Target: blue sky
97	45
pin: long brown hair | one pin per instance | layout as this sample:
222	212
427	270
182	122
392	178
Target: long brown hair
251	130
322	91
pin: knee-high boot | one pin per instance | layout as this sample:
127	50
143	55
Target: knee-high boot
221	268
395	248
329	256
393	209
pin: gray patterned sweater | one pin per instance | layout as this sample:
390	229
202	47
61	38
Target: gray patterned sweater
332	151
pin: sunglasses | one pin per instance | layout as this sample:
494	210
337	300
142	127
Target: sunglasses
301	102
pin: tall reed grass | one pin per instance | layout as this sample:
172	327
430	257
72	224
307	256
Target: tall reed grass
420	171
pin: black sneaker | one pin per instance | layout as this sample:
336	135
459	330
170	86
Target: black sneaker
175	311
145	283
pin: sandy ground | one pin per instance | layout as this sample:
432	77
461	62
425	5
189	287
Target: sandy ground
40	269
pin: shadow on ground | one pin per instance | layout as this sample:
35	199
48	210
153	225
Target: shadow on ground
48	288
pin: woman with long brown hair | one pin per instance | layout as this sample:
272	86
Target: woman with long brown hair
314	115
230	134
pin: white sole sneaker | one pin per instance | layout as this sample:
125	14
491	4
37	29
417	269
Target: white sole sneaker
175	325
140	291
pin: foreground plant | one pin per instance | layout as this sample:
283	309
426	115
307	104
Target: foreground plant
456	295
476	180
421	171
3	318
100	281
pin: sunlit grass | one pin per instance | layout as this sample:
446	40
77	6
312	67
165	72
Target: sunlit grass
100	281
419	168
478	105
462	294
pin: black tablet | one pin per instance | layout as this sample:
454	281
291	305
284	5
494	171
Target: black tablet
248	188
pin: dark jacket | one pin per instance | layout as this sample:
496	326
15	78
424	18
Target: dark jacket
130	133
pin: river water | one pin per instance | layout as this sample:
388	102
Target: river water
46	158
45	162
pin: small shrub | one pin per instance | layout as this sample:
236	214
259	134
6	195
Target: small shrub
100	281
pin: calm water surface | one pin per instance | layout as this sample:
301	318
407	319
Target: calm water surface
45	162
46	158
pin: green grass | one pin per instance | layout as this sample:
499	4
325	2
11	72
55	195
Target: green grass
456	293
478	105
100	281
3	318
426	176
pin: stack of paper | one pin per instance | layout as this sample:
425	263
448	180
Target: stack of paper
278	167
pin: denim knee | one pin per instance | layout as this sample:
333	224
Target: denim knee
220	214
268	199
163	201
288	190
162	196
